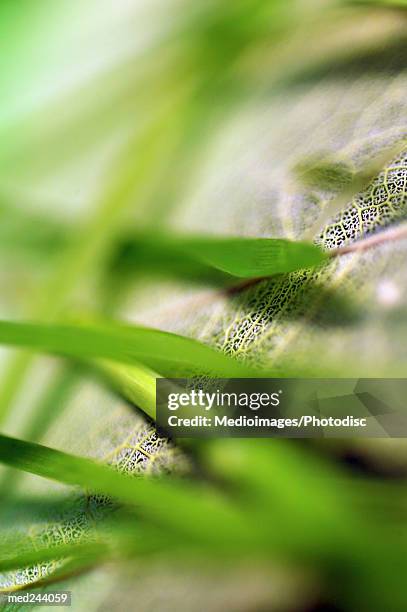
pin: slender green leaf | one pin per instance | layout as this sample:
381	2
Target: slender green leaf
135	382
191	509
207	517
169	354
242	257
91	552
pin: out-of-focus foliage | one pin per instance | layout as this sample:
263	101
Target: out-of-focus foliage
281	120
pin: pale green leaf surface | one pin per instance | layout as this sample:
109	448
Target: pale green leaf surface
352	313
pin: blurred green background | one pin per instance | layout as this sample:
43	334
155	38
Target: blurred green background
278	119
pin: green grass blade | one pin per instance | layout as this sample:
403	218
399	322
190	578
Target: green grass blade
202	515
242	257
62	467
74	470
169	354
194	510
92	552
134	382
51	405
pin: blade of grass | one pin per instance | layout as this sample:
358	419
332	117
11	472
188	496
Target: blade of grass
121	536
50	408
90	551
192	257
242	257
170	354
209	519
193	510
135	382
